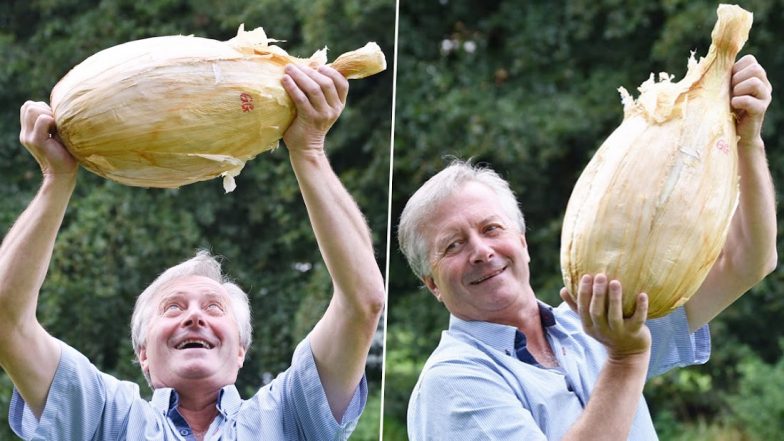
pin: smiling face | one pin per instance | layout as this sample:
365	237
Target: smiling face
478	256
193	337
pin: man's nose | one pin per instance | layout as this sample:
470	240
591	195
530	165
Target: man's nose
481	251
194	318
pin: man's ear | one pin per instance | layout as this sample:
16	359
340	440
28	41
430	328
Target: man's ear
430	283
143	360
241	356
525	248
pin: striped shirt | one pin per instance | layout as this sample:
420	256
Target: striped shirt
86	404
474	386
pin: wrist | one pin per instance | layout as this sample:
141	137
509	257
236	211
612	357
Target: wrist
753	143
629	359
299	142
307	155
57	181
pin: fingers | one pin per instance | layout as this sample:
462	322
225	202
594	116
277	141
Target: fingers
340	82
584	296
752	86
320	90
43	129
751	96
615	306
38	135
566	297
748	67
751	90
295	91
36	121
637	320
601	311
600	303
319	97
598	307
328	88
744	61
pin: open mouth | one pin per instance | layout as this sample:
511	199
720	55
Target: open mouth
194	344
488	276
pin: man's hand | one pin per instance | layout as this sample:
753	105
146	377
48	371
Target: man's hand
38	136
319	96
619	387
600	307
751	95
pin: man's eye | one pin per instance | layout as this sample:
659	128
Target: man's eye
452	246
172	307
492	228
215	306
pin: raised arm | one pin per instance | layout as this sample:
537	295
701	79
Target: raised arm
341	339
27	352
750	251
610	410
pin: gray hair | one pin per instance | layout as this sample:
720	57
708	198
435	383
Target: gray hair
417	212
203	264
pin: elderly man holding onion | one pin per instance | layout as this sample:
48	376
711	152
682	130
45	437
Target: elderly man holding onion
191	327
512	367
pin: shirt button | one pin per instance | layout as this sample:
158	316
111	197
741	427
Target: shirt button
185	432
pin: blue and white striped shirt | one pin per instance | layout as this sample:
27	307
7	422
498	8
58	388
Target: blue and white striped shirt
474	387
86	404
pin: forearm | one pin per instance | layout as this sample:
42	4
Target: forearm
341	339
27	249
752	239
749	253
610	411
342	234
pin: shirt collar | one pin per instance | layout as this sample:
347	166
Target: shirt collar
165	399
546	314
498	336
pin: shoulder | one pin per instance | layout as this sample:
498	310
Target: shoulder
456	353
295	402
467	391
76	372
80	400
458	365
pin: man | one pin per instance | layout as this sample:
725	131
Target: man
190	327
511	367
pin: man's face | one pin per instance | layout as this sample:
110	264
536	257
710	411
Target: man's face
478	256
192	336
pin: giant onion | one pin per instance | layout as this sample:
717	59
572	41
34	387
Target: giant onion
653	206
169	111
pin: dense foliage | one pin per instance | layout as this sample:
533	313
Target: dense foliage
116	239
530	88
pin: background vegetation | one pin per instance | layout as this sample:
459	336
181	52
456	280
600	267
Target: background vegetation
530	88
117	239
